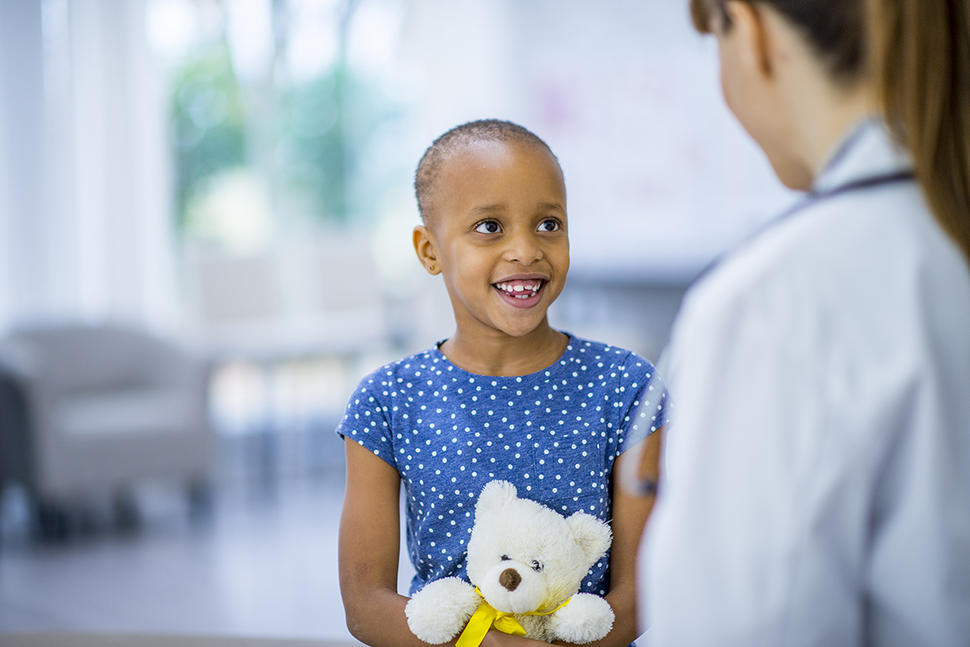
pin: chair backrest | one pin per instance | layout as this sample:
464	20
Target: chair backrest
83	356
311	294
228	289
333	275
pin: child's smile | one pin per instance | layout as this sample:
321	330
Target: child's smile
521	291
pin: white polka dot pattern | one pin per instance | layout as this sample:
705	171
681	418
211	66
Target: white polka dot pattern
554	434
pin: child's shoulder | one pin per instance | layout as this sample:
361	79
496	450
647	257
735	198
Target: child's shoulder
604	355
423	365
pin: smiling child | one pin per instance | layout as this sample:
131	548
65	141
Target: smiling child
505	397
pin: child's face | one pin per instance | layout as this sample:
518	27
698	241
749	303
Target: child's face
498	236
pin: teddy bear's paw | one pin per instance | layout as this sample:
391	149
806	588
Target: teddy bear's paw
441	609
586	618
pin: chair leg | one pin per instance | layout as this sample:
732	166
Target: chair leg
51	521
3	509
199	496
127	516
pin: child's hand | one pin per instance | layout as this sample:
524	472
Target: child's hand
495	638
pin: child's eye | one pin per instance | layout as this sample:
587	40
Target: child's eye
537	566
549	225
505	558
488	227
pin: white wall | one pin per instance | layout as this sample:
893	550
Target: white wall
4	197
659	175
24	270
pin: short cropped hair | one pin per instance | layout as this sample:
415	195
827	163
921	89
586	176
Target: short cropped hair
483	130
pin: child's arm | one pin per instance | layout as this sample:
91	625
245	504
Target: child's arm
369	552
630	513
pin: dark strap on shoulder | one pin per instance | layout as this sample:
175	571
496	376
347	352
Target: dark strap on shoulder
849	187
813	198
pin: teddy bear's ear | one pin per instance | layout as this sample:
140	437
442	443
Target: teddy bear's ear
494	495
592	534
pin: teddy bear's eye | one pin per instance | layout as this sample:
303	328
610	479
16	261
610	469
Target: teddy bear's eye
505	558
537	566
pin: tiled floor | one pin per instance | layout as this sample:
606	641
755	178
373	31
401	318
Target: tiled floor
265	564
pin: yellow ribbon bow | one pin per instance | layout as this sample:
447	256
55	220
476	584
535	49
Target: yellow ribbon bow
487	616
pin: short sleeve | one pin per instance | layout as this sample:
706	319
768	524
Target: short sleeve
366	419
645	407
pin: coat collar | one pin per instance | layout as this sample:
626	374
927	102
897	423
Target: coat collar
868	150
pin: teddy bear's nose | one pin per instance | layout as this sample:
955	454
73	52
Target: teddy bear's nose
509	578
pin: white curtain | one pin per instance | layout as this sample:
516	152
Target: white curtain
22	274
86	205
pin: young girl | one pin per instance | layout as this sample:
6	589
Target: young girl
505	397
818	475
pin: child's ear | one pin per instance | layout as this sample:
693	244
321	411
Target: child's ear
425	248
748	22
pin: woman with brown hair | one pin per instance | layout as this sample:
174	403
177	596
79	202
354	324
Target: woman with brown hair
816	483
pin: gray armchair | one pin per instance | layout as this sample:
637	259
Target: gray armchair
102	407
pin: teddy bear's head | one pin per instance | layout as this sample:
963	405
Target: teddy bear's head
524	556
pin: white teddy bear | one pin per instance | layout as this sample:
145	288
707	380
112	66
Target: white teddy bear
526	563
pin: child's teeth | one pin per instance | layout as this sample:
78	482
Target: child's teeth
512	290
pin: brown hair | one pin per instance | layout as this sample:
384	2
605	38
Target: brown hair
921	62
832	29
918	54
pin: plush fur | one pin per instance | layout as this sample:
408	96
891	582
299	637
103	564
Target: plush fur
523	557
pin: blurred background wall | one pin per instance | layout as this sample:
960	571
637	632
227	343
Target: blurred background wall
236	174
234	177
146	141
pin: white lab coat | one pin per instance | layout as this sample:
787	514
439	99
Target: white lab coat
816	484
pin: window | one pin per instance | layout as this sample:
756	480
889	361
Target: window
278	115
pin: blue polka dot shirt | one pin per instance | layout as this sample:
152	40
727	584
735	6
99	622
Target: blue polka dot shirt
554	434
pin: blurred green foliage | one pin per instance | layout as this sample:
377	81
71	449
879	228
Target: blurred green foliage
327	132
209	123
323	139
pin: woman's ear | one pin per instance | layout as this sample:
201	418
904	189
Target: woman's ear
425	248
746	26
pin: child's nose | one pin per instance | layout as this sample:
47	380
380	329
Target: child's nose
523	248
